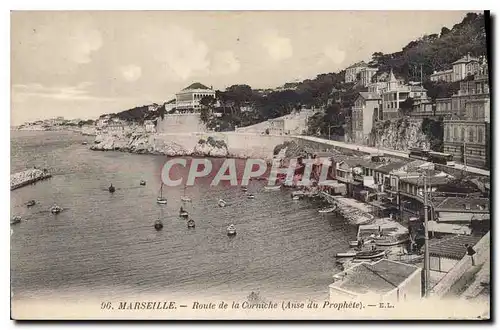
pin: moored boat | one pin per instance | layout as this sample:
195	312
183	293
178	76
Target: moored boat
111	189
370	254
183	213
142	183
231	230
221	203
391	242
190	223
296	198
160	199
31	203
250	196
328	210
272	188
346	254
15	219
56	209
245	189
353	243
158	225
185	198
85	143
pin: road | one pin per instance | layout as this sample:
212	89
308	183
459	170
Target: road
394	153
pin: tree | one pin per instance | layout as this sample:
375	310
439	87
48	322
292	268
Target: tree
406	106
444	31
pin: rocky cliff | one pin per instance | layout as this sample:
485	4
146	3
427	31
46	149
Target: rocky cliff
148	143
399	134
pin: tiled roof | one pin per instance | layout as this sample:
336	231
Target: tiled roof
369	96
459	203
196	85
359	64
417	89
380	277
433	181
452	247
466	59
391	166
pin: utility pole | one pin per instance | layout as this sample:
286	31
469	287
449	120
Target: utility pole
465	158
426	225
421	76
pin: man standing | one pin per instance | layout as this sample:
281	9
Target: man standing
471	252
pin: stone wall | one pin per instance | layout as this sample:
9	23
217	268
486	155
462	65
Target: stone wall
180	123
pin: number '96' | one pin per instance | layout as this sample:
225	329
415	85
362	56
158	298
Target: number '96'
106	305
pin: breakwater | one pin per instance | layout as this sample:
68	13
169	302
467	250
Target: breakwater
27	177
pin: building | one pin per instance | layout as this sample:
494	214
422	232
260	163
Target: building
446	75
366	75
443	107
150	126
392	96
377	87
423	107
461	215
395	93
188	100
384	280
466	66
364	112
445	253
467	128
351	73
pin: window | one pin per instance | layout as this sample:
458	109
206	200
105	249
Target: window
455	133
480	135
471	134
463	134
447	133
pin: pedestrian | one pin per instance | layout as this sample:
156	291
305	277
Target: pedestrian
471	252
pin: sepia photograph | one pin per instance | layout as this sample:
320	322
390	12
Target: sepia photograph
250	165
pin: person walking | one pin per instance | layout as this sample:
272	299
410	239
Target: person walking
470	252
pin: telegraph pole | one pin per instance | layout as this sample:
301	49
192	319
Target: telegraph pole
426	225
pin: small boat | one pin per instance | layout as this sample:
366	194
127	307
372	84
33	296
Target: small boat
31	203
15	219
183	213
56	209
391	242
370	254
142	183
353	243
158	225
328	210
346	254
245	189
296	198
185	198
111	189
231	230
221	203
297	193
250	196
272	188
161	199
190	223
85	143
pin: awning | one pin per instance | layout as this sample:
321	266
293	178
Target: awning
462	217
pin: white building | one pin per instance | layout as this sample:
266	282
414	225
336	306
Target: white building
384	280
150	126
188	100
352	71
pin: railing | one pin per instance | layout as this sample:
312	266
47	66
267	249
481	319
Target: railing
482	249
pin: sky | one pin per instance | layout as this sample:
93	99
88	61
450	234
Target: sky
81	64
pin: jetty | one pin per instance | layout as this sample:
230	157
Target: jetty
355	212
27	177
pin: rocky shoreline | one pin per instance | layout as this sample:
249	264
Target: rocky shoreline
149	143
24	178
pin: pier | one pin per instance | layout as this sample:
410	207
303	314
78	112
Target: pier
27	177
